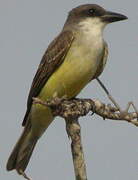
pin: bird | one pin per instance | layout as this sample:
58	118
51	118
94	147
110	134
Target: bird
73	59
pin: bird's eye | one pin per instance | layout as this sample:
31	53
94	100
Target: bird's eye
91	11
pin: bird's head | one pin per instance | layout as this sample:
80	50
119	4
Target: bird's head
94	15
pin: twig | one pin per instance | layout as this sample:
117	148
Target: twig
108	94
115	103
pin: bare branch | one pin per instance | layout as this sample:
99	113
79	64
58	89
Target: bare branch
71	110
74	132
76	108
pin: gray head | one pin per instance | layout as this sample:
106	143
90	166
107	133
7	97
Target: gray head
94	11
92	16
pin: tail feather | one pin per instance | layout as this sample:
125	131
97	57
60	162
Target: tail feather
22	151
24	156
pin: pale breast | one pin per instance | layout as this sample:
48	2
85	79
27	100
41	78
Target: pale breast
86	53
78	68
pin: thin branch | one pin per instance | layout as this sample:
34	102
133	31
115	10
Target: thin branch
108	94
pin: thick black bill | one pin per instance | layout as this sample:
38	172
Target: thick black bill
113	17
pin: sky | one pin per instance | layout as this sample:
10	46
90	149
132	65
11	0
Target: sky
110	147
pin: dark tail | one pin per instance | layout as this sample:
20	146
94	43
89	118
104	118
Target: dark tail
22	151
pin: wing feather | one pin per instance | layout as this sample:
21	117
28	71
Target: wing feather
103	62
53	57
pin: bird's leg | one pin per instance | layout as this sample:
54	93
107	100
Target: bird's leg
109	95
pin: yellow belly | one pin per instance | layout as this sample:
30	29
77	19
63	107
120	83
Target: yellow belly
69	79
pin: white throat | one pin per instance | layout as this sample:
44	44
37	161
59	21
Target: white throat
92	32
92	26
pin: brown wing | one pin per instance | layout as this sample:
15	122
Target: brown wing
51	60
103	62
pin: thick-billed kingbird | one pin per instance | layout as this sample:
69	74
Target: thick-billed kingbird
74	58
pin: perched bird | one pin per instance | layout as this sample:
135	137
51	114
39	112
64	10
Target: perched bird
74	58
